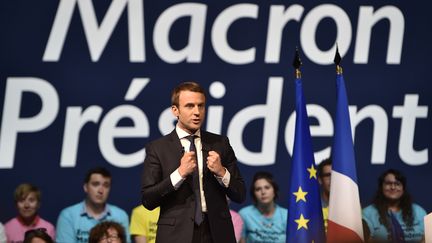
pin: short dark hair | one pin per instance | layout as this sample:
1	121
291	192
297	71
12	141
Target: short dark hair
97	170
268	177
101	229
189	86
321	165
37	233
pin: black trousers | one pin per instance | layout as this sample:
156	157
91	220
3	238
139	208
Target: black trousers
202	233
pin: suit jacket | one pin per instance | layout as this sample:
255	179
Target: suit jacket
176	220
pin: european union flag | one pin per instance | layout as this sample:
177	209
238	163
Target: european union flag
305	220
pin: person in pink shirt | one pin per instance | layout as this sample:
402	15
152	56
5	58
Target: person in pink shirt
27	200
237	223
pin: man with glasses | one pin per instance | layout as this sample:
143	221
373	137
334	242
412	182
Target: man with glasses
324	179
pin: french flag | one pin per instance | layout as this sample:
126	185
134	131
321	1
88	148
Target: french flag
344	220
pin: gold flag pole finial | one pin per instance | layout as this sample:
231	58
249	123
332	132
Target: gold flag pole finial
337	60
297	63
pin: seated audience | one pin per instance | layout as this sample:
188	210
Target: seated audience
75	222
107	231
143	225
37	236
392	216
27	200
264	221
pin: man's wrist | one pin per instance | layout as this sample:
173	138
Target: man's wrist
221	172
182	175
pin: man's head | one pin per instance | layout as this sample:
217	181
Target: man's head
188	105
324	175
97	185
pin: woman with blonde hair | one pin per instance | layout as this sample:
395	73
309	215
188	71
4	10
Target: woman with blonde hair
27	200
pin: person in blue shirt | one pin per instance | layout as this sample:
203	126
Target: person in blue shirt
264	221
392	216
76	221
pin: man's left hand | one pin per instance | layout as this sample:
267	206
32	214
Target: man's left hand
214	164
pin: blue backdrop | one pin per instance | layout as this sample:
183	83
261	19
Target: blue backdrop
87	83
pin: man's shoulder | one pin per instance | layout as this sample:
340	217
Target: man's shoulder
162	140
213	138
212	135
72	209
117	211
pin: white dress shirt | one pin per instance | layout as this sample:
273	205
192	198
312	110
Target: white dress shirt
176	178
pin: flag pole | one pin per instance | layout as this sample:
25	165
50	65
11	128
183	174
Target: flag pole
305	221
337	60
344	220
297	63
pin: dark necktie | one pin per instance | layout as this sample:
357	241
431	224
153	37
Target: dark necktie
196	185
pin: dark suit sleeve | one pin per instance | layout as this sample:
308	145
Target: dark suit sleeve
155	185
236	190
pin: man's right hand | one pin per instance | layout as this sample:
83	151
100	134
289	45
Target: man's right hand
187	164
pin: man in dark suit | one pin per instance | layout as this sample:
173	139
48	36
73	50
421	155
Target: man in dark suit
191	187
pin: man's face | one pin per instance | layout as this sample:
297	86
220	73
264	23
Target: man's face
98	189
190	111
325	179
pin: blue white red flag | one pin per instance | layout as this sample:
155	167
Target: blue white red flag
345	220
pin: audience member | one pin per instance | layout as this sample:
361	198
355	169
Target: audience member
37	236
392	216
107	231
264	221
237	223
75	222
324	179
143	225
2	234
27	200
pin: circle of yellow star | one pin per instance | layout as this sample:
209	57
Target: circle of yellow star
300	194
301	222
312	172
